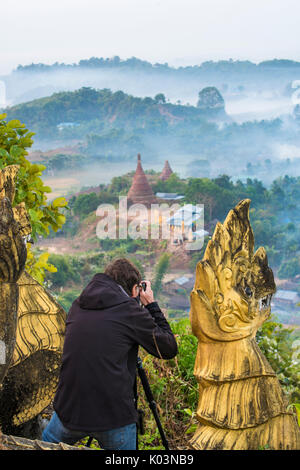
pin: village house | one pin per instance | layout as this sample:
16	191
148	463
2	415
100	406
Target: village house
286	297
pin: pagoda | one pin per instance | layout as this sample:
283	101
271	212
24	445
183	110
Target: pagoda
167	171
140	190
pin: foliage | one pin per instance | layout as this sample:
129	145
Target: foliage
271	224
37	264
130	244
289	269
160	270
172	185
85	203
271	212
120	184
67	298
210	97
276	342
160	98
174	389
89	104
59	162
219	66
65	270
113	125
74	271
174	314
30	189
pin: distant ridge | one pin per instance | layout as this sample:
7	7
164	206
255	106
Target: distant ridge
133	62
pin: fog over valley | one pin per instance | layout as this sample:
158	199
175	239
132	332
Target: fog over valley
225	117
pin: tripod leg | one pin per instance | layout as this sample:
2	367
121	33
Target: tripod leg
151	401
136	401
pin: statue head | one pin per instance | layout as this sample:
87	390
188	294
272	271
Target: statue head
234	285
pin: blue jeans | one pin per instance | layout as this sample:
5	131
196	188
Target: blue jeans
123	438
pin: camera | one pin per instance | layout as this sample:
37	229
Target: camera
144	285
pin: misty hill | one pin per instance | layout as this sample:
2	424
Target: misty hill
235	79
200	140
72	108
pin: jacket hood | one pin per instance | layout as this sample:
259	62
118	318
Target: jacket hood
102	292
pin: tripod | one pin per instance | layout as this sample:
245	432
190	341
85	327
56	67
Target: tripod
152	405
151	401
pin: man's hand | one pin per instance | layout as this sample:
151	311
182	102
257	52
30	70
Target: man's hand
146	296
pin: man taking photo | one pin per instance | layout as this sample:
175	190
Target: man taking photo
104	328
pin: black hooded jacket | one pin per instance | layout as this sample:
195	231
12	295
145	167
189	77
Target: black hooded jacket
103	331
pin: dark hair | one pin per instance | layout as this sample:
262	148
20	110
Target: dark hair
124	273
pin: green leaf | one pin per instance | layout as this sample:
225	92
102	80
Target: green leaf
14	123
191	429
16	151
4	153
47	189
297	408
59	202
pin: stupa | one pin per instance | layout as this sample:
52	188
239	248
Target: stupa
140	190
166	172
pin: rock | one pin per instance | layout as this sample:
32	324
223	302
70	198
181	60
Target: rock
20	443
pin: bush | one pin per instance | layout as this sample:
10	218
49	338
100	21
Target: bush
289	269
65	271
67	298
175	391
44	216
276	343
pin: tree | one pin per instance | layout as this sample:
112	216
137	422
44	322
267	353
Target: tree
160	98
30	189
65	270
172	185
120	184
276	342
85	204
289	269
204	191
160	271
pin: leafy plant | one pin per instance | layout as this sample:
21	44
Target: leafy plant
174	389
275	341
160	270
15	139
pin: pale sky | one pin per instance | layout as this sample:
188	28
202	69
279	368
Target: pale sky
180	32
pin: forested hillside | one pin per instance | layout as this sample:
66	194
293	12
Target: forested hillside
88	104
101	125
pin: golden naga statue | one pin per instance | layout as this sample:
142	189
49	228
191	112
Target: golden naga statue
241	405
32	323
